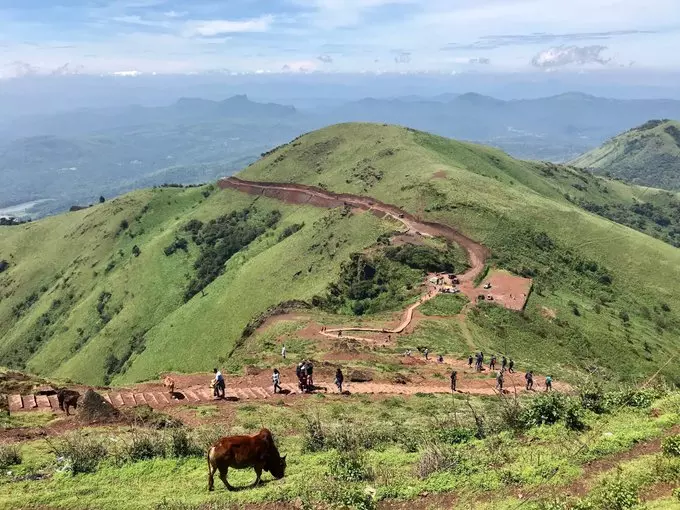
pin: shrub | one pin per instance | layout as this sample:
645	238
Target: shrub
546	409
178	244
181	445
136	251
290	230
633	397
9	455
455	435
350	466
143	446
616	493
79	453
671	446
436	458
314	439
574	416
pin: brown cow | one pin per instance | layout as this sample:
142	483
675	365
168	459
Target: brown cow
241	452
67	398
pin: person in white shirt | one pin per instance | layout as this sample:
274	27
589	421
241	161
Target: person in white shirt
220	388
283	352
276	379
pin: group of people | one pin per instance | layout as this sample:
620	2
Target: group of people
305	374
479	362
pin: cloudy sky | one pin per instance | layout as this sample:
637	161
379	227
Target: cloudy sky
448	36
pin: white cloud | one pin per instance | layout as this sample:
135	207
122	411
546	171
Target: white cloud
175	14
126	73
211	28
568	55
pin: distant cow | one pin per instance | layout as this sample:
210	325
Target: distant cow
169	384
241	452
67	398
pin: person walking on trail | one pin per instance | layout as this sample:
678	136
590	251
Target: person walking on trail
276	379
283	352
492	363
440	359
511	366
504	363
427	353
219	388
499	381
339	379
454	380
470	361
548	383
529	376
309	371
302	376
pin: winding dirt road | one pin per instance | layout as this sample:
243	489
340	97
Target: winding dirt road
311	195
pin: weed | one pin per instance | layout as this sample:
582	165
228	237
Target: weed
671	446
350	466
79	453
10	455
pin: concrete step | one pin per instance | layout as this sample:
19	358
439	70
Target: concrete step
15	403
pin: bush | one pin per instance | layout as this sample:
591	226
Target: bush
436	458
79	453
290	230
181	445
178	244
314	439
616	493
671	446
455	435
350	466
633	397
546	409
143	446
9	455
574	416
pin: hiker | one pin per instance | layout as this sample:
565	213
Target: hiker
408	353
276	379
499	381
478	362
309	370
302	376
548	383
339	378
454	379
389	338
339	333
440	359
529	376
283	352
492	363
504	363
219	389
511	366
470	361
427	353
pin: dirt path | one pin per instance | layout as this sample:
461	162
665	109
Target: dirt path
302	194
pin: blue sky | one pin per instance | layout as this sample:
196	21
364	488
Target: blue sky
254	36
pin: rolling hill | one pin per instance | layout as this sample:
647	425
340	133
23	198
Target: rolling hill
170	278
648	155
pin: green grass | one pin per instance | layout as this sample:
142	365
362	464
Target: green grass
646	155
508	205
444	304
58	266
398	435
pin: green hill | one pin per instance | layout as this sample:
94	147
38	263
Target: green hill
647	155
79	301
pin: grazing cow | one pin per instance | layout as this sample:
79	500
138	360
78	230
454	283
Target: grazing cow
241	452
67	398
169	384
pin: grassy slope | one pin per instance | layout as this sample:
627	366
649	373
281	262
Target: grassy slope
488	195
647	155
401	432
68	254
495	199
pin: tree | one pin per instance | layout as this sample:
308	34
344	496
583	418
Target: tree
102	200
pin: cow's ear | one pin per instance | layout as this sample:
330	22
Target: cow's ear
284	458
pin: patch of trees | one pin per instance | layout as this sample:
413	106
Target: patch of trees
660	222
674	132
223	237
422	257
370	284
290	230
114	365
12	222
178	244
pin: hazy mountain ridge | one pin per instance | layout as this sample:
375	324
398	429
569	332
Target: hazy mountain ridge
648	155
